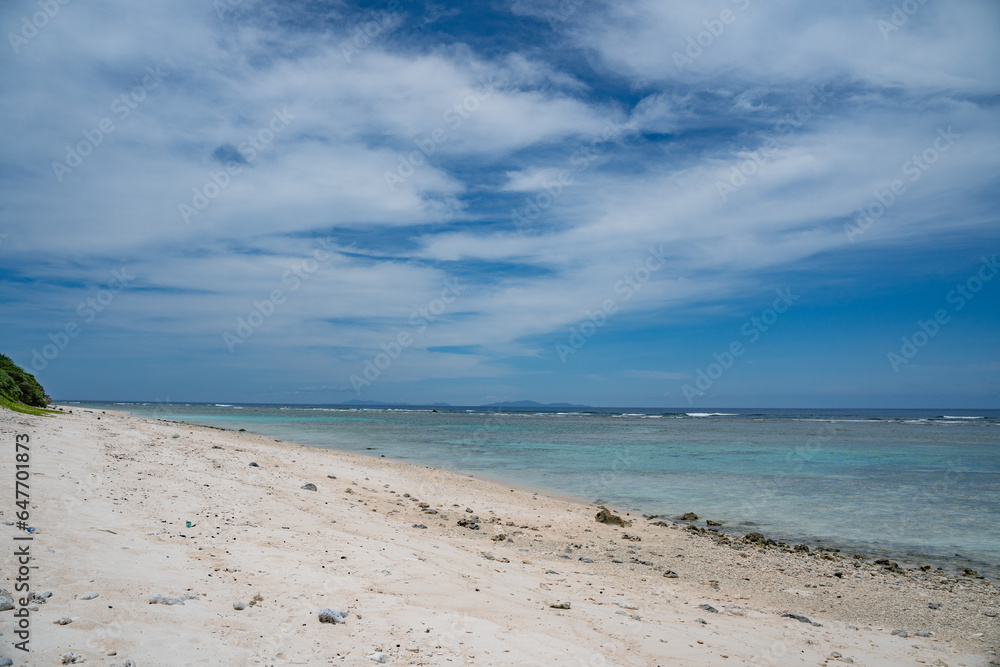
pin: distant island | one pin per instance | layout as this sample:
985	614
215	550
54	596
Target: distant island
505	404
532	404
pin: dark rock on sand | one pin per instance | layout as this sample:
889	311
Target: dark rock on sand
420	525
604	516
469	523
6	600
309	487
899	633
709	608
688	516
709	522
755	538
933	605
801	619
253	464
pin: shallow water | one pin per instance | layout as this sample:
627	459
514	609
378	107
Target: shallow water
922	485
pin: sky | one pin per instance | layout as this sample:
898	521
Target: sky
630	203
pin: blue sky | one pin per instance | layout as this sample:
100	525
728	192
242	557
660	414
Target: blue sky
578	201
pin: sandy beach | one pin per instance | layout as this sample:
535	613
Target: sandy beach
431	567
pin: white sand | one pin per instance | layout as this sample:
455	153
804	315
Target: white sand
111	497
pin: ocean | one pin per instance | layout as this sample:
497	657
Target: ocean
921	486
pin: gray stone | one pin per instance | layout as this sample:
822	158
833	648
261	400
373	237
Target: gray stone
6	662
899	633
6	600
309	487
562	604
239	605
65	620
332	616
89	595
253	464
709	608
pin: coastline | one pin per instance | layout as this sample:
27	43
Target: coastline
114	493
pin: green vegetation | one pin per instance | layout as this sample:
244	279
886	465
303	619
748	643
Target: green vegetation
20	391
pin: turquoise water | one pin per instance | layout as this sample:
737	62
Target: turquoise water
920	485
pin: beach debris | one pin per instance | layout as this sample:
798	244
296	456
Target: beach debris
688	516
604	516
561	604
701	620
802	547
969	572
709	608
499	537
256	599
900	633
420	525
38	598
70	658
216	446
309	486
331	477
472	523
662	524
89	595
332	616
378	656
239	605
254	464
65	620
156	598
6	600
802	619
632	538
